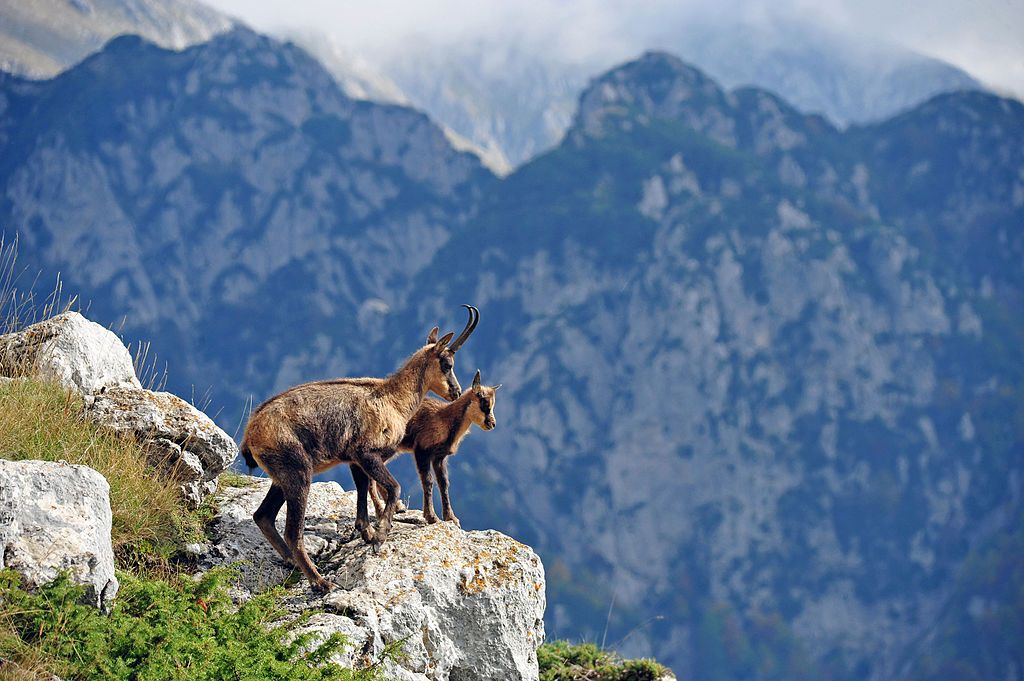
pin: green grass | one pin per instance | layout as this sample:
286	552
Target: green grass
564	661
164	624
43	421
180	628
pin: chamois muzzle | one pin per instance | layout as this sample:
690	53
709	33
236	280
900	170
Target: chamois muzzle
454	389
474	319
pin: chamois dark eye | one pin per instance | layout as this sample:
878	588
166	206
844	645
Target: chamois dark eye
485	406
446	364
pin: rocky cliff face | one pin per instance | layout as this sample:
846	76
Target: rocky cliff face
755	364
762	375
224	178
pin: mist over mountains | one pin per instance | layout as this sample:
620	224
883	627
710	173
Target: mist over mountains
515	98
762	375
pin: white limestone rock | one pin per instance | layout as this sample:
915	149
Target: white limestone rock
181	440
56	517
79	354
468	605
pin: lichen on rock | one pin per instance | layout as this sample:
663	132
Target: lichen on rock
464	605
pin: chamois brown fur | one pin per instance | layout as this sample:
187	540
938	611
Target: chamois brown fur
359	421
433	434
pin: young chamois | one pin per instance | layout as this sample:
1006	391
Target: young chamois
434	433
359	421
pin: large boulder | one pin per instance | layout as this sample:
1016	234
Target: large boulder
180	440
468	606
79	354
56	517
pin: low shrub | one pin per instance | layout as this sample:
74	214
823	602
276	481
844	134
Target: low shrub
181	628
564	661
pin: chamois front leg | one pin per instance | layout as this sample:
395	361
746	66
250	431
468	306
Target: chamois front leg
372	463
441	470
427	482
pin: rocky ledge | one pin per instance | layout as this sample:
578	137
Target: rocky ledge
465	606
461	606
181	441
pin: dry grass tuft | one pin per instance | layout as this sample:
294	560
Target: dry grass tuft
43	421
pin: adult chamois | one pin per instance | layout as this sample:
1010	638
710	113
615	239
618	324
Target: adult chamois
434	433
359	421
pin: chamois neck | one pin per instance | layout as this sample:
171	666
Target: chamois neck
458	413
459	407
407	387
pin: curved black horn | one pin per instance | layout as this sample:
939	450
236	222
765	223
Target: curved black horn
474	319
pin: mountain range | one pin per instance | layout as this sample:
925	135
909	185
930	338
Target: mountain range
762	406
508	96
515	97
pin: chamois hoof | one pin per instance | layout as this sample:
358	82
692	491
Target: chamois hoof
455	520
368	534
430	519
322	586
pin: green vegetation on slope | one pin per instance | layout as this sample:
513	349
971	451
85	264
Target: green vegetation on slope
42	421
175	629
164	624
564	661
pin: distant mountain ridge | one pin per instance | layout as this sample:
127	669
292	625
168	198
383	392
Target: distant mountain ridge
763	376
41	38
518	99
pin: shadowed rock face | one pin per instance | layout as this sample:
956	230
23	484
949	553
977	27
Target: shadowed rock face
56	517
468	605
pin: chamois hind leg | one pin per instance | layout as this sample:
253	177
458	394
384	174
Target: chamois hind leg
427	482
297	495
265	517
441	470
372	464
362	482
377	499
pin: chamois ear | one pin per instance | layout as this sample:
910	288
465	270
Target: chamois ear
476	381
432	336
440	345
496	387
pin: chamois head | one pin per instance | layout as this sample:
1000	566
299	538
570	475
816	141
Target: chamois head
481	408
440	372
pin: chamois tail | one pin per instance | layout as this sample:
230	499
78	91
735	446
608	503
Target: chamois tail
250	461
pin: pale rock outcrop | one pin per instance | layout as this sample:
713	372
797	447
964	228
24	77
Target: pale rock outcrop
79	354
467	605
56	517
181	440
86	358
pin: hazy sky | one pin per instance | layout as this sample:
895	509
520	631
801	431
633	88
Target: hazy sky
984	37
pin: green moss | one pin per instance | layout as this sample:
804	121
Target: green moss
564	661
161	629
233	479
